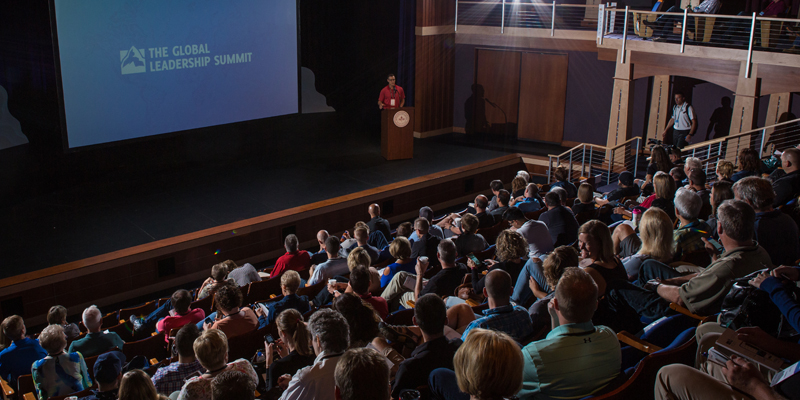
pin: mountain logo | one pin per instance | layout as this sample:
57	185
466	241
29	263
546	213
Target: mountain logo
132	61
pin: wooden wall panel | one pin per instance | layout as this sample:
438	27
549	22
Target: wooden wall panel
434	83
497	71
435	12
543	97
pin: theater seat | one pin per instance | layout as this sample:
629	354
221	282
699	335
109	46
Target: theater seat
640	28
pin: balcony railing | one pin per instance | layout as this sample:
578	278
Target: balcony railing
603	164
506	14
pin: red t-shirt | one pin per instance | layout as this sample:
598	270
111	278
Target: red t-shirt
387	95
378	303
296	261
168	323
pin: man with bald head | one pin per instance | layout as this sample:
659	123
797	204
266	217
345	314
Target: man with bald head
502	315
788	186
378	224
485	220
576	358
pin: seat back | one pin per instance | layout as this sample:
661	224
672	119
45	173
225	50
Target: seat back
140	311
245	345
312	290
153	347
257	291
25	385
204	304
536	214
491	233
401	317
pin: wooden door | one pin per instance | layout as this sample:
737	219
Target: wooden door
497	81
543	97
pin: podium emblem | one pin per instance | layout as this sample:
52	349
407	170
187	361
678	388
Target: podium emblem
401	119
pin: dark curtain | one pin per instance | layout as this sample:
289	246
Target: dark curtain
407	46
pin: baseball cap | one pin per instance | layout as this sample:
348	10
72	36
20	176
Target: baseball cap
108	366
626	178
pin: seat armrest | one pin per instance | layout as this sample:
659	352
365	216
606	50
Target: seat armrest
637	343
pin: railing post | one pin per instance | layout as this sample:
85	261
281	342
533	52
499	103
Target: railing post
610	161
569	172
549	169
553	20
750	48
683	29
503	18
591	153
624	37
763	136
583	161
455	26
601	23
636	160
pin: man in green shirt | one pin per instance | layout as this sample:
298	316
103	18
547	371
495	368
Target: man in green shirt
95	342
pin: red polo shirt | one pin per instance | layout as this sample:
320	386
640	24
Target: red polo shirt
296	261
387	95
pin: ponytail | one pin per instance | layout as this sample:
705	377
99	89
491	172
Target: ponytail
291	323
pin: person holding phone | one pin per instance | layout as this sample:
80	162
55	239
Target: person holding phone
292	345
511	248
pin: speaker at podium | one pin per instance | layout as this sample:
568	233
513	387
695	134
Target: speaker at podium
397	133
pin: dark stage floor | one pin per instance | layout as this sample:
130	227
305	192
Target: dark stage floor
111	214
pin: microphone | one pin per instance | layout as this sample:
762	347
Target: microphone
490	102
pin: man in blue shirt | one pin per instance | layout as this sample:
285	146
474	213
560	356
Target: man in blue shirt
290	282
576	358
16	359
531	202
502	315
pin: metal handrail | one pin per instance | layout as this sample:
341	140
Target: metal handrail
578	155
596	145
738	135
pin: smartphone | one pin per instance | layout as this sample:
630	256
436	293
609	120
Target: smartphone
268	339
717	245
474	259
209	320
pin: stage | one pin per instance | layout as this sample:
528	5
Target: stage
113	212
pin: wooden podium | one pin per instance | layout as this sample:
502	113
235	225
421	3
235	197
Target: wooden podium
397	133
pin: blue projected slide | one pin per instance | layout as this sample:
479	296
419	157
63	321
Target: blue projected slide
144	67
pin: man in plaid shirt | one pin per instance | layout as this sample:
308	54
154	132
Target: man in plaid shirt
502	315
172	377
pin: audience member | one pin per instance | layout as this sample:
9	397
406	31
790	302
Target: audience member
684	119
244	274
585	204
775	231
659	162
361	319
321	256
577	358
294	259
485	219
107	373
425	243
676	157
376	223
535	232
511	249
552	268
720	191
688	237
697	183
16	358
59	373
400	249
329	338
724	171
518	187
626	189
562	194
496	186
488	366
678	175
531	202
294	347
173	314
749	164
560	221
232	385
436	351
787	187
501	315
232	318
349	241
359	282
562	180
404	230
335	265
211	350
654	242
692	163
702	293
525	175
361	374
427	214
442	284
136	385
469	241
57	315
170	378
503	201
290	282
218	274
362	240
664	187
96	341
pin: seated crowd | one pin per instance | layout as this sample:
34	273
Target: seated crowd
432	307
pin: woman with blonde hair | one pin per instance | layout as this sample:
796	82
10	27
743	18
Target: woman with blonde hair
488	366
654	241
211	350
293	345
136	385
518	187
511	248
586	198
724	171
59	373
400	249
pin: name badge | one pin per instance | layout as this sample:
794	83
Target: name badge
391	103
